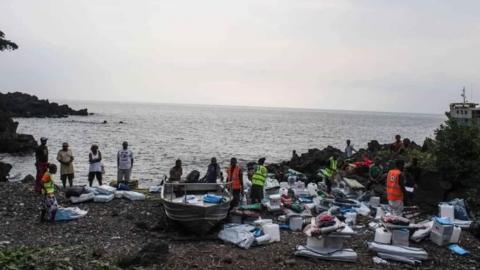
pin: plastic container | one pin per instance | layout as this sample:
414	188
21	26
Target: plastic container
264	239
383	236
312	189
447	211
445	230
351	218
457	231
273	230
400	237
374	201
296	224
330	242
261	222
439	239
103	198
275	200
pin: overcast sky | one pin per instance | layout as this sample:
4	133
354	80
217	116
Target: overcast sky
407	56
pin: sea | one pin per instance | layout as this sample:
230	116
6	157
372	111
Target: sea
159	134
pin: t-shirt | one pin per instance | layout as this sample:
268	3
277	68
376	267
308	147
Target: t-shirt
375	171
349	151
125	157
42	154
65	156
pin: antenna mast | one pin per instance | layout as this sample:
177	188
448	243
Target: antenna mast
463	95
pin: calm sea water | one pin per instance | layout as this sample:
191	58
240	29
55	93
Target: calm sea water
158	134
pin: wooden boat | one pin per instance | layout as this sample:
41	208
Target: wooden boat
193	214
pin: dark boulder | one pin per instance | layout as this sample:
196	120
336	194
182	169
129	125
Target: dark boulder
315	159
28	179
11	141
4	171
24	105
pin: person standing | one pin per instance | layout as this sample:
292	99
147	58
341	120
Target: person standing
375	173
396	188
124	164
258	181
95	167
235	181
176	172
331	172
349	149
213	172
41	163
65	157
49	204
397	147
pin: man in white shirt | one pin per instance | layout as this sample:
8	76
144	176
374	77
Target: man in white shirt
349	149
124	164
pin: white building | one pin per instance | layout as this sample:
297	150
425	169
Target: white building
466	113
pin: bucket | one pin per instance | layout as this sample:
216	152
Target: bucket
447	211
296	223
383	236
273	230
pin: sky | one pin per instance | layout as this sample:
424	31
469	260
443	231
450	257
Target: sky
374	55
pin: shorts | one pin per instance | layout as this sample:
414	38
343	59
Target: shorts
92	175
123	175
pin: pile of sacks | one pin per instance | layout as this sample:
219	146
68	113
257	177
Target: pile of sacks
262	232
103	193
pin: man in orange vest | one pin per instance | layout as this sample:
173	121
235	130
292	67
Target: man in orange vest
235	181
396	188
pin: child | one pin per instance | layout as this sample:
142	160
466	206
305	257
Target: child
48	189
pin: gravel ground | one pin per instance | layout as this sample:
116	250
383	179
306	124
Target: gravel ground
113	235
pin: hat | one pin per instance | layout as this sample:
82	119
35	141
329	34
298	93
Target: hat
43	139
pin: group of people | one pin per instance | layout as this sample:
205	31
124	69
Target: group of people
395	178
96	169
257	174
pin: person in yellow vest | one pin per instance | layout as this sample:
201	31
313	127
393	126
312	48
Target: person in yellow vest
331	172
235	181
258	181
396	188
50	204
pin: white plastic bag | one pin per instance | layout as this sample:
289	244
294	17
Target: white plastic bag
82	198
103	198
119	194
134	196
106	189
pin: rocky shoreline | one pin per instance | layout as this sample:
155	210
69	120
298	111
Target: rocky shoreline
24	105
136	235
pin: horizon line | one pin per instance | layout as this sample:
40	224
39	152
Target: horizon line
243	106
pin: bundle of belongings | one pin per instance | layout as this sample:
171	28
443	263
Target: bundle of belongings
69	213
245	236
103	193
392	237
326	238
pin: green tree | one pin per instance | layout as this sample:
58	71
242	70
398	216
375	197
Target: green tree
457	152
6	44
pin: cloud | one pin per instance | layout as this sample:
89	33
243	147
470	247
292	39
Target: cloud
361	55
